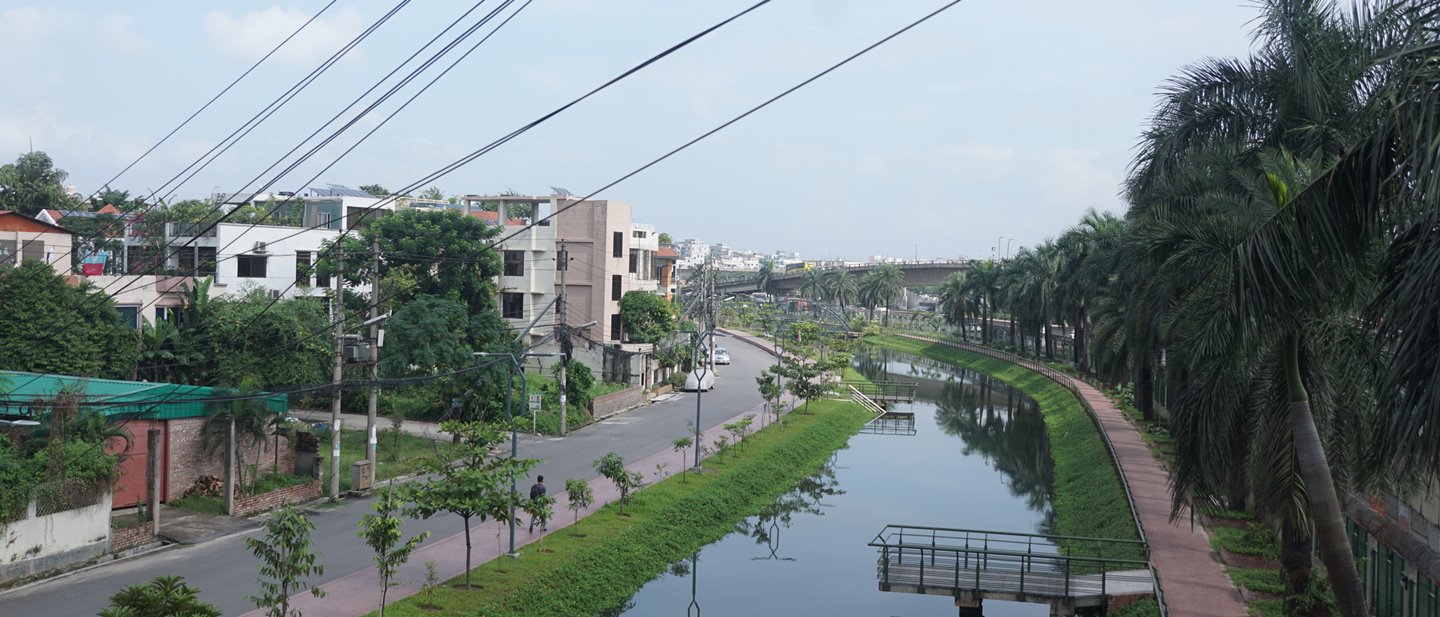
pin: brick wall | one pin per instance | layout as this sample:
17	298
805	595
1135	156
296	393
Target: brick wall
254	504
188	461
616	402
126	539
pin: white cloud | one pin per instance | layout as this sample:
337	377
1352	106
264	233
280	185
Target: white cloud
251	35
117	34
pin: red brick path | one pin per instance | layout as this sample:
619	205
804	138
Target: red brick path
1194	581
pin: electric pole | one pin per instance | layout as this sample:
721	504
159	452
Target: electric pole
339	374
562	259
373	372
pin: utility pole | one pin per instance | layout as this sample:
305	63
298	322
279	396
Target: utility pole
373	372
339	374
562	263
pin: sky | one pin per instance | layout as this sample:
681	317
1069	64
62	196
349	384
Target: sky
997	118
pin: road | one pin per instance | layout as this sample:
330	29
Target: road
226	572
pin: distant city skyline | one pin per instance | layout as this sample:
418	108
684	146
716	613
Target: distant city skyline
952	135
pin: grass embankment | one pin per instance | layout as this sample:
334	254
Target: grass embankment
1089	498
603	560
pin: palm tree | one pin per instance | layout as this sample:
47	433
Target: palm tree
254	424
840	287
1260	278
765	278
956	302
881	285
812	284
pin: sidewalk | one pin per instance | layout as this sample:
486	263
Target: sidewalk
358	593
356	421
1194	581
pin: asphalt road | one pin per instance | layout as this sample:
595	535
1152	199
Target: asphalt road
226	572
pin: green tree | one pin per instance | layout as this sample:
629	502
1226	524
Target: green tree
287	561
433	192
470	487
612	467
765	278
579	495
279	344
665	240
92	341
381	532
646	317
426	336
840	287
254	424
166	596
32	183
882	285
812	284
375	190
680	445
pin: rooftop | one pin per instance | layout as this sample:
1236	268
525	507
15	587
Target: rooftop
113	397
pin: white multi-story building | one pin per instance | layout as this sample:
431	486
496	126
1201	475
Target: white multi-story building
692	249
644	243
527	282
240	257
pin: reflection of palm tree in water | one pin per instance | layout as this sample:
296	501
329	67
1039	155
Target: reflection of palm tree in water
1011	436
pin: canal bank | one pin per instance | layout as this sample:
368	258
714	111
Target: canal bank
1193	580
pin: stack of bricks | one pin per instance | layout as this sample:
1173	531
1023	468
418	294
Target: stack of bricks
255	504
131	537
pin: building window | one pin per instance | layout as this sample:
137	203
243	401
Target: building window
618	250
638	234
634	260
514	263
615	287
129	315
7	253
512	305
206	267
250	266
167	313
142	259
34	250
302	268
615	327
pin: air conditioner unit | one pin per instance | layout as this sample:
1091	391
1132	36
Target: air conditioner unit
274	294
259	248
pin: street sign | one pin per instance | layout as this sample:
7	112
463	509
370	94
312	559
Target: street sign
534	402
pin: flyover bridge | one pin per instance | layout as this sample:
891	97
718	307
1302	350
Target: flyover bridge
973	565
916	273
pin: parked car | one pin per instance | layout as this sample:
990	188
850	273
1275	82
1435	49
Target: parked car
722	356
696	381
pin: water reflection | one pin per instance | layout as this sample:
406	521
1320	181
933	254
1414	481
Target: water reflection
806	498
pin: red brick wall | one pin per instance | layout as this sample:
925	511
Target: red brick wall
126	539
602	406
188	461
245	506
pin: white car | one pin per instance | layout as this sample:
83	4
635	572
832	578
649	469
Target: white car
722	356
700	380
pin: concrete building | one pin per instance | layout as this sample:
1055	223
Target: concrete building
598	235
527	283
241	257
25	239
644	243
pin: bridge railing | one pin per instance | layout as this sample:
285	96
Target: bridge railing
864	401
989	561
887	390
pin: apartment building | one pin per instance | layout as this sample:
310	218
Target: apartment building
25	239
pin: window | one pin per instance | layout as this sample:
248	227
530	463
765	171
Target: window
7	253
167	313
130	315
302	268
250	266
615	287
512	305
34	250
634	260
514	263
615	327
206	265
637	234
185	259
142	259
618	250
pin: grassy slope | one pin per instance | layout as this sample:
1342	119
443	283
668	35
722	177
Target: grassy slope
1089	499
613	556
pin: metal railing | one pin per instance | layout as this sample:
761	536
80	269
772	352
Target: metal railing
1027	565
1070	384
864	401
885	390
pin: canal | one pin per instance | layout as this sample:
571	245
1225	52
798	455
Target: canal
977	458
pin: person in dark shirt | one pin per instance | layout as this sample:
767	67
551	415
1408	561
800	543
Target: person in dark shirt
538	490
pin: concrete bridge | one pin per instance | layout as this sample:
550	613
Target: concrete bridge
917	273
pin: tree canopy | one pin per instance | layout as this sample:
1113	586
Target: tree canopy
32	183
48	325
646	317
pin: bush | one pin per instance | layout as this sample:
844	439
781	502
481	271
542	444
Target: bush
677	380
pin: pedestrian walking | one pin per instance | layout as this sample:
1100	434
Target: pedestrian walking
538	490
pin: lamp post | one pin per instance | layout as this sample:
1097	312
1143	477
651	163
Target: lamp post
517	369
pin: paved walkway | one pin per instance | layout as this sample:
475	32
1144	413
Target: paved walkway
1193	579
356	421
358	593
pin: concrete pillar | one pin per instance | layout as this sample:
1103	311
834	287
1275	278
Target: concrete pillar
230	465
153	446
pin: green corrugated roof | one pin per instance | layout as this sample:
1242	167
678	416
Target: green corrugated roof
113	397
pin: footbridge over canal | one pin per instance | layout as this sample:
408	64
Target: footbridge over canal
973	565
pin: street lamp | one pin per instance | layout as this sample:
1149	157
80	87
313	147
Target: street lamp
514	439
